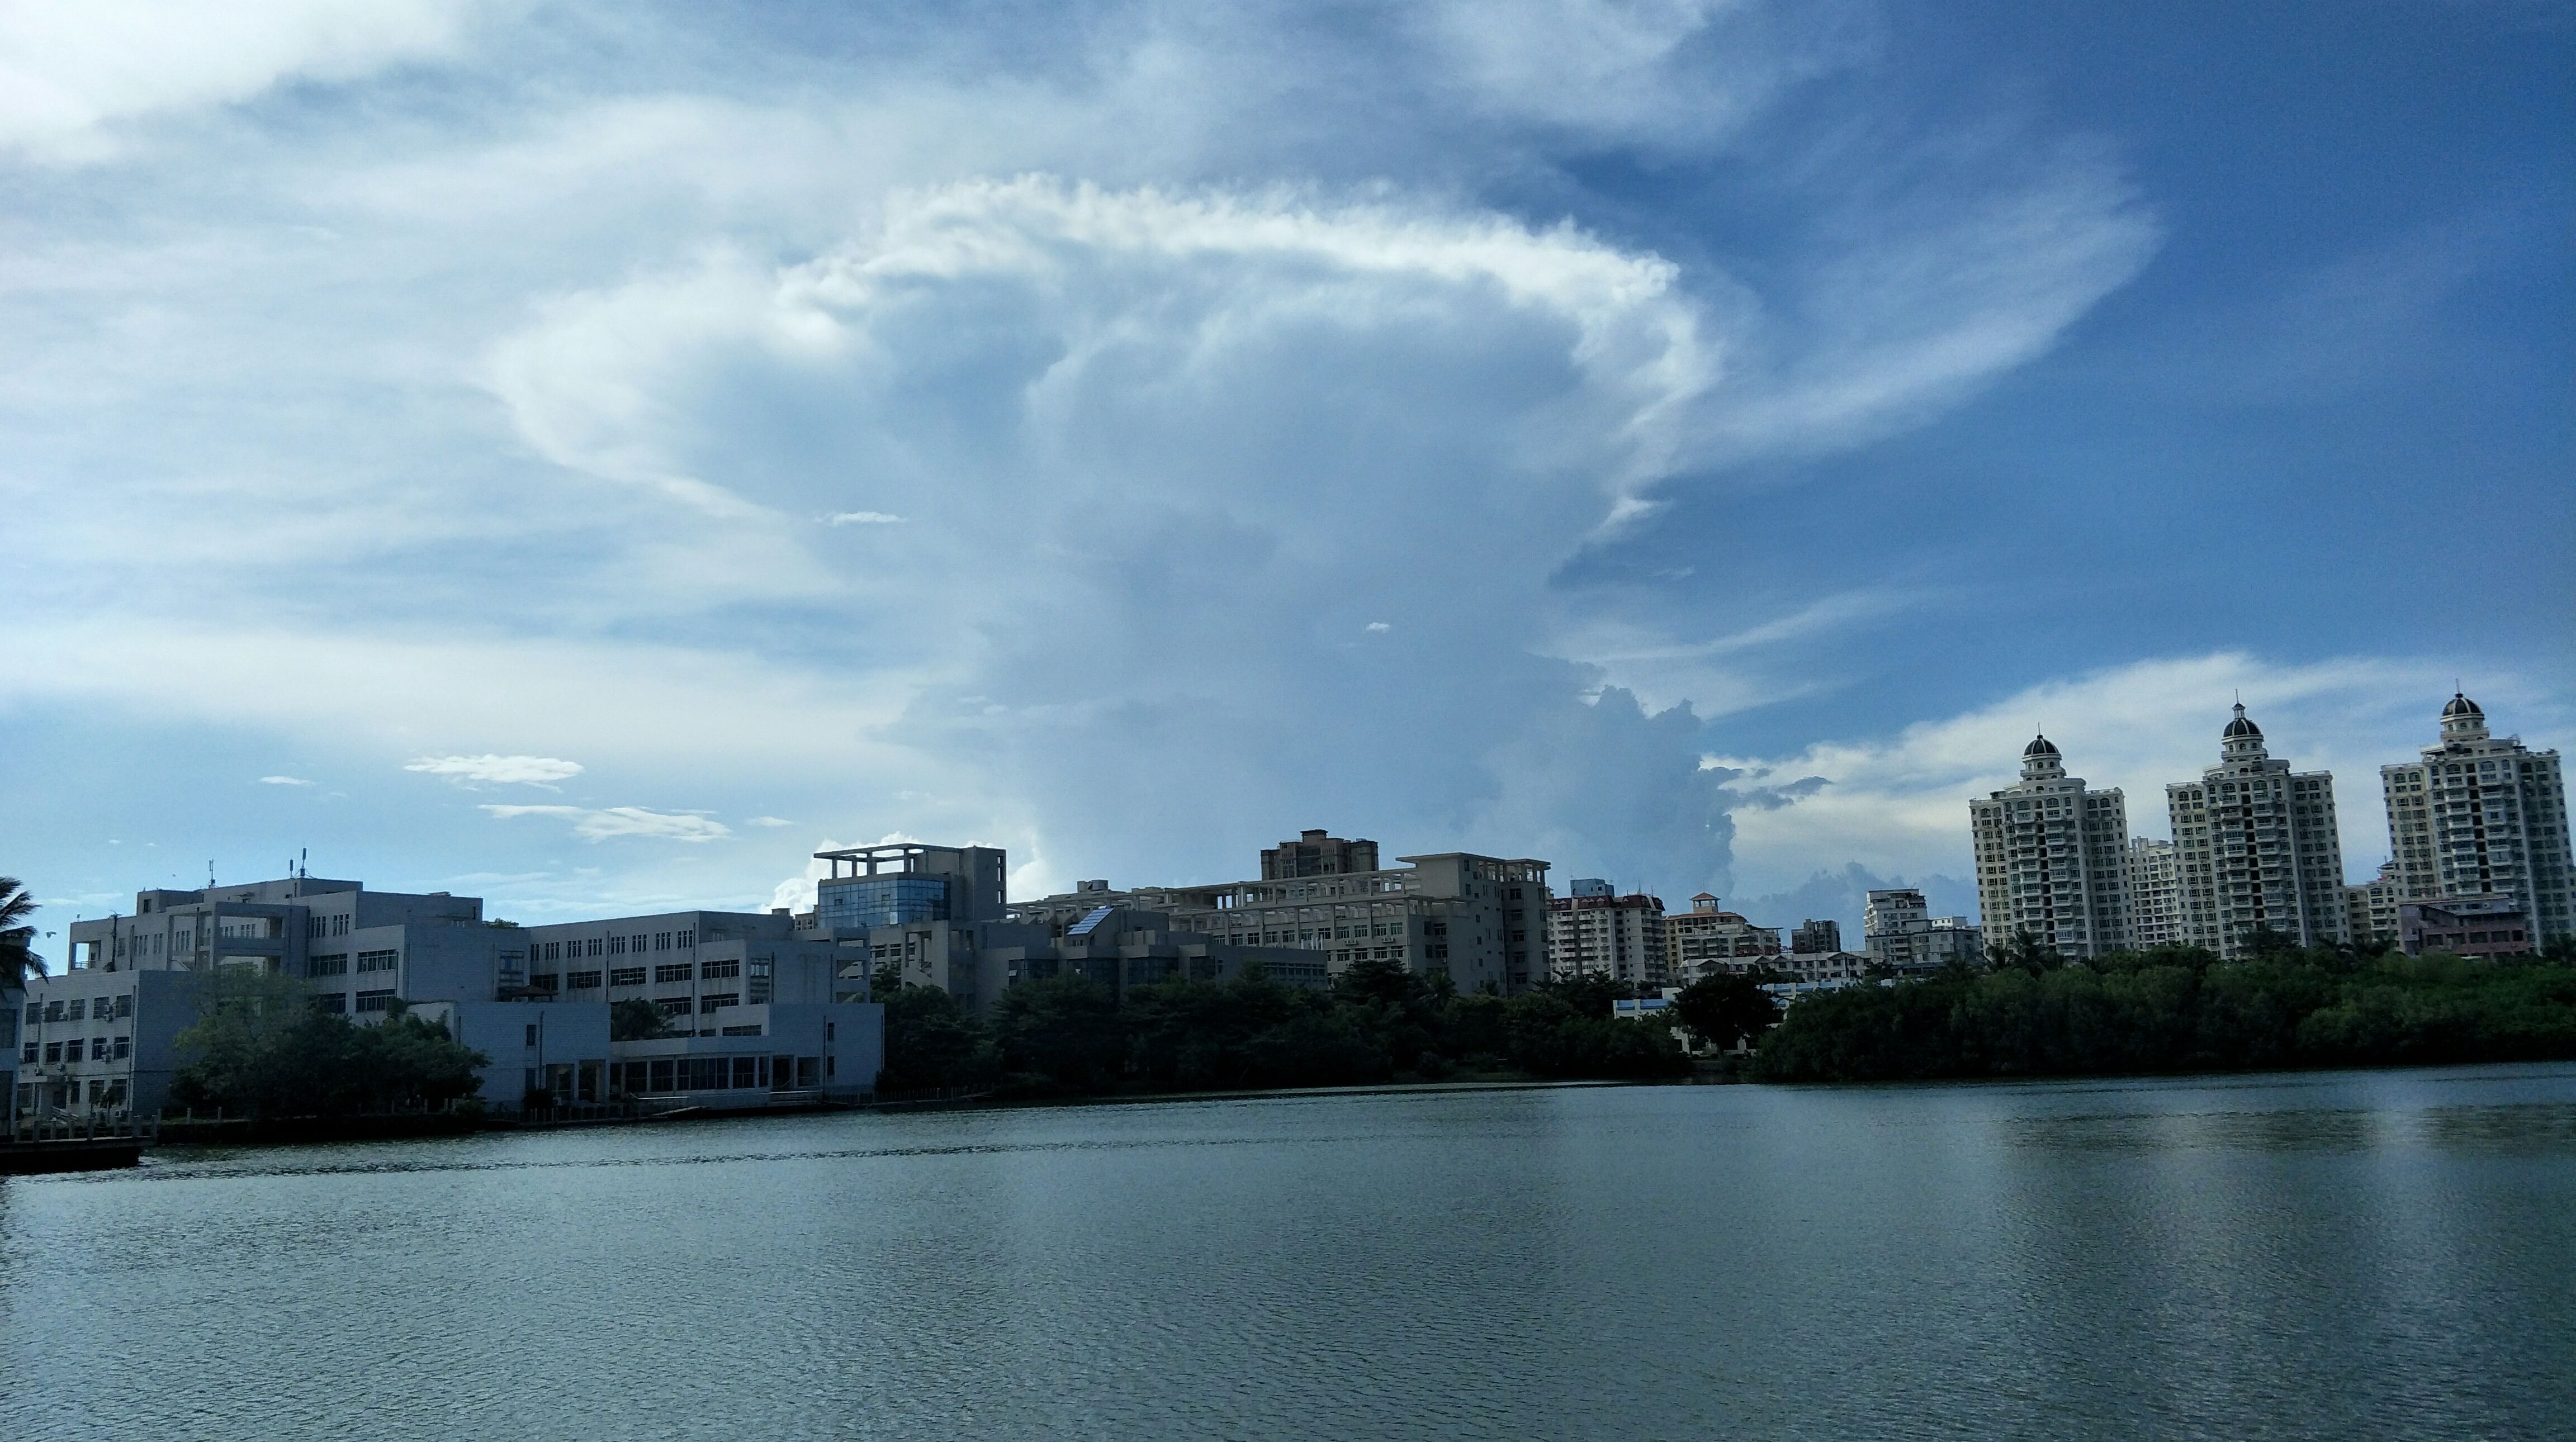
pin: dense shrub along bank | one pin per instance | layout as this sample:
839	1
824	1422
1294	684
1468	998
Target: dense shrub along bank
1071	1036
259	1049
2179	1009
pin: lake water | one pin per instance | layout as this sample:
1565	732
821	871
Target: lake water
2350	1255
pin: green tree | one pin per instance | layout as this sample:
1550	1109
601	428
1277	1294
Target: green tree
259	1049
2023	952
1725	1010
1590	994
932	1042
636	1019
2181	1009
1065	1029
18	959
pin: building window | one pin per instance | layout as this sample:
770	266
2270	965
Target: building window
688	938
713	969
545	981
98	1048
375	1001
53	1052
532	1034
617	946
675	1005
678	971
626	976
661	941
337	965
332	1003
713	1000
583	981
596	945
379	960
79	1009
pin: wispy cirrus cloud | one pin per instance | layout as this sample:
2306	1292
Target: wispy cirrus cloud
284	781
599	824
69	74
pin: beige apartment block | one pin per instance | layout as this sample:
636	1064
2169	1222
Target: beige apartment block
2257	849
2481	815
2052	860
1595	933
1708	940
2155	894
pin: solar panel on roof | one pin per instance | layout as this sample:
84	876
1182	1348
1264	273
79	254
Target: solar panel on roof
1083	927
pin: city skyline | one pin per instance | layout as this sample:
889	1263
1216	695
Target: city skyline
596	458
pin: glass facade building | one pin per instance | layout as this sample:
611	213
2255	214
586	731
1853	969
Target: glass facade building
861	902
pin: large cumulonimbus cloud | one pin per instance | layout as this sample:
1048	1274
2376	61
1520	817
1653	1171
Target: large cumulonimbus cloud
1164	461
969	438
1216	504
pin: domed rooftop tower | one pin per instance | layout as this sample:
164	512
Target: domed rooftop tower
2462	720
2040	761
2242	740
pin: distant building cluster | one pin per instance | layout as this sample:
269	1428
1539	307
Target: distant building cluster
2477	839
763	1009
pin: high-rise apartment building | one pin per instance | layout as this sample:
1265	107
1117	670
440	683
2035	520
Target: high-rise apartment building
1901	933
2370	910
2482	815
1814	936
2256	848
2052	859
2155	894
1594	933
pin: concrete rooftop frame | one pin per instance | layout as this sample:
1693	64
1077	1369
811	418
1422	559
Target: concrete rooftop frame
902	858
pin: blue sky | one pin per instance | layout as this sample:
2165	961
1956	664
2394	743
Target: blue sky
590	456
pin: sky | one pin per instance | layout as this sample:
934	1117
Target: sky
592	456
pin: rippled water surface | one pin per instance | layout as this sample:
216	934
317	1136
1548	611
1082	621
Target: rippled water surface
2355	1255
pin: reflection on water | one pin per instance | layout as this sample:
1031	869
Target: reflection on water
2355	1255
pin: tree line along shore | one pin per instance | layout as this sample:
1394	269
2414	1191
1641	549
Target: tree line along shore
2025	1013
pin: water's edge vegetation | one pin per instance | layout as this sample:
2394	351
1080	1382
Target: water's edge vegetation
2030	1014
2180	1009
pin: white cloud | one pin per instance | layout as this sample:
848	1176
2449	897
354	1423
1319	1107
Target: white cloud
600	824
284	781
992	488
769	821
523	770
68	73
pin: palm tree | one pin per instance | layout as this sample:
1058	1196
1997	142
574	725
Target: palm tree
17	958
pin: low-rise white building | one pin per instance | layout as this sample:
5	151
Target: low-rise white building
102	1036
